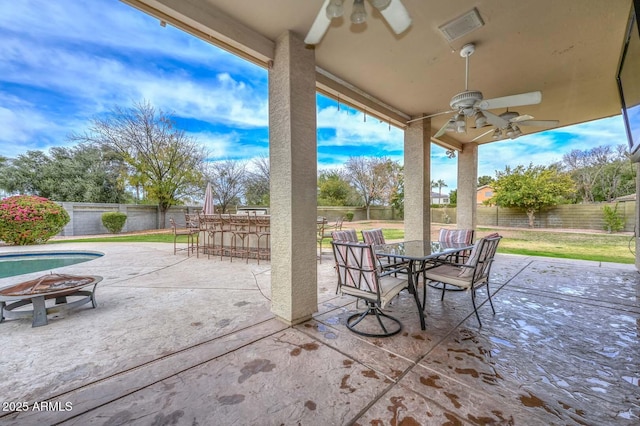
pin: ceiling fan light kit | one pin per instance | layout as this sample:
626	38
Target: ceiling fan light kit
358	13
393	11
335	9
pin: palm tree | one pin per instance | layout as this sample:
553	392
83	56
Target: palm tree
439	184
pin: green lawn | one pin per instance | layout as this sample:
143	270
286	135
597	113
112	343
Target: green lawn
585	246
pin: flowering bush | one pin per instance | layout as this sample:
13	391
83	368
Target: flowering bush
26	219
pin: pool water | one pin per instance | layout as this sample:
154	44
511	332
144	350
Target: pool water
25	263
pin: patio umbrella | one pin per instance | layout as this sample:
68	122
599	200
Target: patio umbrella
208	207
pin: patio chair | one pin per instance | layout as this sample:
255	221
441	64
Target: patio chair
325	229
376	237
464	236
348	235
468	276
360	275
452	236
191	233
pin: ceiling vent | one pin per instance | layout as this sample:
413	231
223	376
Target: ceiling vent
462	25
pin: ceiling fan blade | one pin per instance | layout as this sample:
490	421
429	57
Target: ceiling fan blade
429	116
482	135
530	98
319	26
397	16
521	118
541	123
495	120
441	131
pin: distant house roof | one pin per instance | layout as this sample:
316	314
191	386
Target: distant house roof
436	195
630	197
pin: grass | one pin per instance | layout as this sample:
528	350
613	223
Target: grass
584	246
568	245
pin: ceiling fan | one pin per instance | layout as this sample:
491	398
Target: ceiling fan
512	129
471	104
393	12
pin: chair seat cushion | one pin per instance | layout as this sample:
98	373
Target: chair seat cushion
449	274
389	288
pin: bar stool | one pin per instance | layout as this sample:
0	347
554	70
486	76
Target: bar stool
263	231
240	229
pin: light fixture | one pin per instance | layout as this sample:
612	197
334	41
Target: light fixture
496	134
393	12
451	125
335	9
358	13
380	4
481	120
516	131
510	132
460	123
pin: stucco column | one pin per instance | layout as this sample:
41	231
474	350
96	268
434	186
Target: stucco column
293	173
417	180
637	228
467	186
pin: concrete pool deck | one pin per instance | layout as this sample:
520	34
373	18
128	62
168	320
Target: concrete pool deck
177	340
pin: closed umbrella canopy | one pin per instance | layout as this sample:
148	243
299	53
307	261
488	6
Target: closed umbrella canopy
208	207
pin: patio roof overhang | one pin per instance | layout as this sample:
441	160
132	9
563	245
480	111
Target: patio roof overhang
569	50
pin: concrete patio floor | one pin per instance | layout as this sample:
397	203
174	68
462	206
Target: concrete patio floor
186	341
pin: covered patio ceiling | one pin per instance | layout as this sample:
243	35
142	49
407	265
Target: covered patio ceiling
568	50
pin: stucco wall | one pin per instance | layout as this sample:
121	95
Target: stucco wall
86	218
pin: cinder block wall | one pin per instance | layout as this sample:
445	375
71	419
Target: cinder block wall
86	218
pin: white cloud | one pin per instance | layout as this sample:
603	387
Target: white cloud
105	23
70	60
228	145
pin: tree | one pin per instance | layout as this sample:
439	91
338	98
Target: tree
163	159
373	179
485	180
601	173
397	194
453	197
257	182
227	180
82	173
85	174
21	175
531	188
438	184
333	188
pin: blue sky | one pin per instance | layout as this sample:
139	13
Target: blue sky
65	61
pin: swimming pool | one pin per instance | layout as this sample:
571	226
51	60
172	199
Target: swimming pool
12	264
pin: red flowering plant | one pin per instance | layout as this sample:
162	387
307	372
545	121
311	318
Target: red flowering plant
27	219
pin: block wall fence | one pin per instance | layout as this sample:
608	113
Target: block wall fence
86	218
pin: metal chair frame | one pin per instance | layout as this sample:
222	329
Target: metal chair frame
360	275
468	276
191	233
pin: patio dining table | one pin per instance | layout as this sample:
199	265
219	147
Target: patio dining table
417	253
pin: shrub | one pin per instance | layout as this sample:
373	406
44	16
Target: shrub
114	221
28	219
349	216
613	221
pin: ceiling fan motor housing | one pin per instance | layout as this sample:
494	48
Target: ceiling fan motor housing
465	101
509	115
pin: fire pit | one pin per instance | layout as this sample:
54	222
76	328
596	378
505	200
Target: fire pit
67	290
